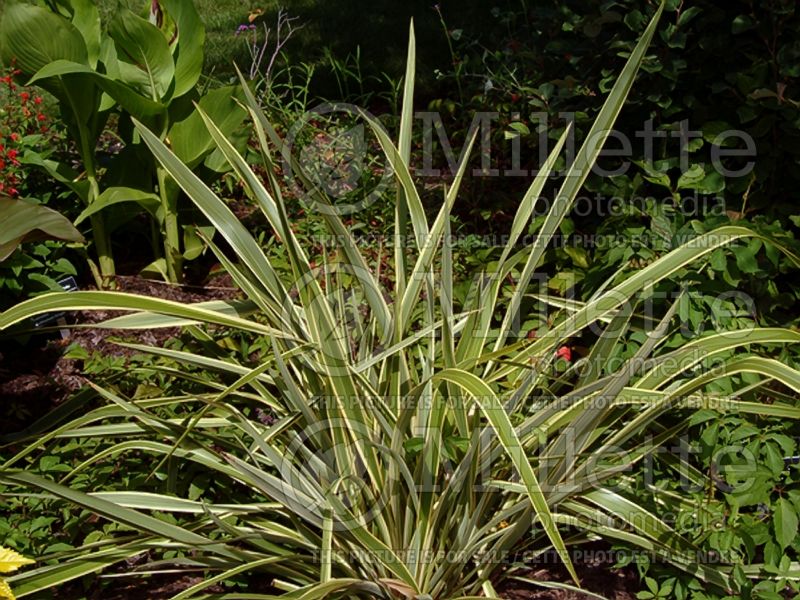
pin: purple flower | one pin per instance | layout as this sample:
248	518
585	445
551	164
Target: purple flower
241	29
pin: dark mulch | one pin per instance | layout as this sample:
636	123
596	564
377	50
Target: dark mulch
35	376
156	587
594	564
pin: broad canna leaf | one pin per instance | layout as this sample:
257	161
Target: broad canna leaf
125	95
115	195
190	139
145	61
34	37
86	19
60	171
186	45
26	222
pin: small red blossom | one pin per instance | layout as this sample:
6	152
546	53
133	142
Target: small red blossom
565	353
22	115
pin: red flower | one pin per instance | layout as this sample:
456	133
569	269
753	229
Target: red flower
40	117
565	353
14	137
24	96
12	154
37	100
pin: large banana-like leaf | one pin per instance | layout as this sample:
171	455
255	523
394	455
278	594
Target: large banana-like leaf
116	195
34	37
190	139
187	42
145	61
26	222
125	95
